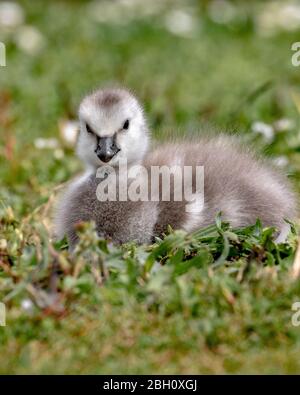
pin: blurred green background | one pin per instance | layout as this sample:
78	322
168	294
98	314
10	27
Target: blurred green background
194	64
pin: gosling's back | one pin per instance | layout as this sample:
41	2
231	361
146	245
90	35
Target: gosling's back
236	183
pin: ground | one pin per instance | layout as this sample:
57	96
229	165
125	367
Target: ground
217	301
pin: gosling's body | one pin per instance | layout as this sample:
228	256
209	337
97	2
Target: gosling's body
237	184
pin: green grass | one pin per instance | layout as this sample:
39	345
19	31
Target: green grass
217	301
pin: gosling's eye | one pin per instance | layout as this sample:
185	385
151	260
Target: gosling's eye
126	124
88	129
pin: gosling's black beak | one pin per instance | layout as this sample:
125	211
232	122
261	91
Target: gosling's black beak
106	148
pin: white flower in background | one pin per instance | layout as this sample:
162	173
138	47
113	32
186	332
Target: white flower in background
27	305
29	39
106	11
123	11
69	130
11	14
44	143
283	125
278	15
180	22
264	129
3	244
289	17
221	11
58	154
142	8
281	161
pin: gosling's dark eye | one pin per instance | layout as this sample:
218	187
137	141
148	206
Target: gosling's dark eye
88	129
126	124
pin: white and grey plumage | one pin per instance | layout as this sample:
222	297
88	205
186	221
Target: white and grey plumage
113	127
236	183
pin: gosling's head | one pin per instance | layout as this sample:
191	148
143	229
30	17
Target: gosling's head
112	127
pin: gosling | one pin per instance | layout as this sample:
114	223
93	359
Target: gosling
236	183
